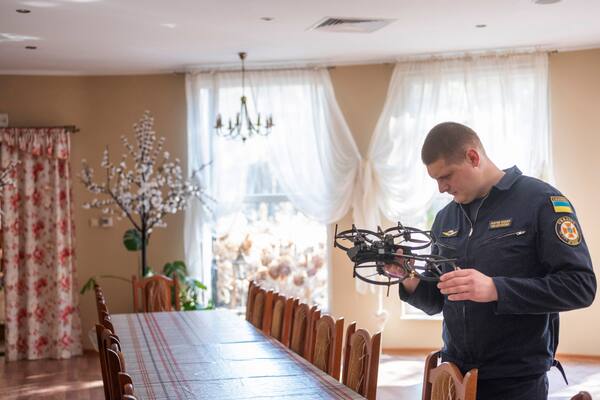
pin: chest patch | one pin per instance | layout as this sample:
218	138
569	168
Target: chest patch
561	204
450	233
567	231
501	223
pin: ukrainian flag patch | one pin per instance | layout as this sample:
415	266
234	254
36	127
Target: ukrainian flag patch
561	204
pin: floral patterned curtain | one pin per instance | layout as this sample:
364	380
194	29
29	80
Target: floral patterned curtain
42	311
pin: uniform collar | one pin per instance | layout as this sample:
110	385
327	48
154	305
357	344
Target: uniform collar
510	177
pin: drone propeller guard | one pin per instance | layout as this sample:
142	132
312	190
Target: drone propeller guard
371	251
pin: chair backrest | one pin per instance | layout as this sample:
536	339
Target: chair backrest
102	357
100	302
290	309
126	384
281	320
582	396
361	361
325	350
116	364
262	309
446	382
106	321
300	333
107	340
252	287
156	294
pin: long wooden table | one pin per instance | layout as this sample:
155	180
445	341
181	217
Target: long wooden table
215	355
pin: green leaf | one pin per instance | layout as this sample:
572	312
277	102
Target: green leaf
199	284
132	239
168	270
88	285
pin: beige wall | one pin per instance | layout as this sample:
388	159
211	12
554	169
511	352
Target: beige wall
575	118
105	107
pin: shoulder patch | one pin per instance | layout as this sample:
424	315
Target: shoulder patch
567	231
449	233
561	204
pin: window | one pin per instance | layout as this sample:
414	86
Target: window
265	238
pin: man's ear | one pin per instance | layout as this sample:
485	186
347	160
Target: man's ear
473	157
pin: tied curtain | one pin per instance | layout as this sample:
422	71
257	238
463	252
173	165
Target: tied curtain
42	312
310	149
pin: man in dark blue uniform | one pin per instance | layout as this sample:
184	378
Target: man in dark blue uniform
522	260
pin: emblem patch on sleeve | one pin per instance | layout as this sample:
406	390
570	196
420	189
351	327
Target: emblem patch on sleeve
561	204
567	231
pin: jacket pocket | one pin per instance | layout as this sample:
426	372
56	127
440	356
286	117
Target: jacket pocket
493	239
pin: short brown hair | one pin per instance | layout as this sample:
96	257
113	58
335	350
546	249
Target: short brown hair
449	141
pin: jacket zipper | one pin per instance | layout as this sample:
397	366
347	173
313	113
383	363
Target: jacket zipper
517	233
464	307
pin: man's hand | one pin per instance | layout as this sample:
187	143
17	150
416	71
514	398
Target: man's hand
468	284
410	284
397	270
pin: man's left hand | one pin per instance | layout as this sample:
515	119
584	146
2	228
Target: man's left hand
468	284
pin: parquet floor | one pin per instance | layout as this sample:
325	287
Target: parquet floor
400	378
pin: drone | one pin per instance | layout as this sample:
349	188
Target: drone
372	251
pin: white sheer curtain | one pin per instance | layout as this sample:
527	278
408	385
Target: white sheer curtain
310	150
503	98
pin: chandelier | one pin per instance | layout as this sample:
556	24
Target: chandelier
243	127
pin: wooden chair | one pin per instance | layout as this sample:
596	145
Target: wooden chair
116	364
106	340
325	349
446	382
281	320
361	361
157	294
582	396
300	333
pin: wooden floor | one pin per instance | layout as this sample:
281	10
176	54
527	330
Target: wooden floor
77	378
400	377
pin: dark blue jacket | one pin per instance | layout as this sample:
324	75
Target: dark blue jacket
525	236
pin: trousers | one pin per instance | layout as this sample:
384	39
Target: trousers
519	388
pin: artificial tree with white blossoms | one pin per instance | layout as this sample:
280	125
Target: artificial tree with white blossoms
145	190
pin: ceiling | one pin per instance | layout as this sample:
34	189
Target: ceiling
99	37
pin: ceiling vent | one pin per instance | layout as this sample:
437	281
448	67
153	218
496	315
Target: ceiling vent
350	25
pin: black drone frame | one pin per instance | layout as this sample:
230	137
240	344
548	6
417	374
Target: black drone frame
372	251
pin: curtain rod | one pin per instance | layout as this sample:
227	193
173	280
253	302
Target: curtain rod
68	128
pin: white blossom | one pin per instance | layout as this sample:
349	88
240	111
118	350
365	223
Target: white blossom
145	184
